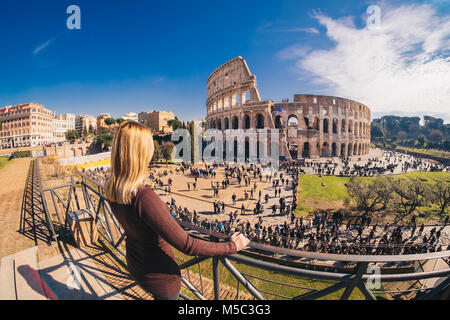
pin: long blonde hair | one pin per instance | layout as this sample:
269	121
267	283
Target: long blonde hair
132	150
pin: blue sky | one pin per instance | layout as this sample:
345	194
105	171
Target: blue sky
141	55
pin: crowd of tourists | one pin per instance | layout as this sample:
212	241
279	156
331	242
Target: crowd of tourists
98	175
326	232
389	163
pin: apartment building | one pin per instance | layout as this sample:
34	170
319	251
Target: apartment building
157	120
25	125
61	124
85	121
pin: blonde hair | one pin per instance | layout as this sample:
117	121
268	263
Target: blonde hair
132	150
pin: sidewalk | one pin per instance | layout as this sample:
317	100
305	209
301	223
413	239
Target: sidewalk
72	275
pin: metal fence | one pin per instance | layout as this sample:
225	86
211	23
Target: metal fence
82	193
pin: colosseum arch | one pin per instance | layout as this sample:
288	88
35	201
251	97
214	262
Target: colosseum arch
247	124
292	121
306	152
316	123
306	119
350	150
343	150
235	123
226	124
335	125
334	152
326	126
325	152
278	122
259	121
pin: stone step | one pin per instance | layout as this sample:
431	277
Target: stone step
75	276
29	284
8	287
20	277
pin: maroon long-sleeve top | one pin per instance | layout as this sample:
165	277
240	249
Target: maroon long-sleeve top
151	232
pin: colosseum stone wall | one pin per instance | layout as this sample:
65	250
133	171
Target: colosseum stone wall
311	126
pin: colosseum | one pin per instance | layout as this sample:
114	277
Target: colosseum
312	126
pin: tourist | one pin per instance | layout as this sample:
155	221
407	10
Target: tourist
146	219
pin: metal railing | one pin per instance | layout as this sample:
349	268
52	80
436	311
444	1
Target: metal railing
82	193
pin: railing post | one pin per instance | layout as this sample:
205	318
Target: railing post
357	279
216	278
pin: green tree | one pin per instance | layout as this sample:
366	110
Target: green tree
191	126
120	120
166	150
441	195
72	135
175	123
409	197
370	197
105	139
433	123
157	152
110	121
437	135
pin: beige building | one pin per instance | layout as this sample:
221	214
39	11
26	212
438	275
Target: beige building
85	121
131	116
25	125
101	120
61	124
157	120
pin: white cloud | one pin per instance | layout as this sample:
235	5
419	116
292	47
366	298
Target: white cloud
293	52
307	30
404	65
43	46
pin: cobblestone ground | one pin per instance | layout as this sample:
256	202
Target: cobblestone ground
12	183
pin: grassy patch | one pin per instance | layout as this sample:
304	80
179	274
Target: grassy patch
3	162
431	152
329	191
282	290
427	177
333	188
315	192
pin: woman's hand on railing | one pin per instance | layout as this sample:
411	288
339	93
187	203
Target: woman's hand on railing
239	240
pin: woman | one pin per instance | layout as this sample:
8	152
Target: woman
151	230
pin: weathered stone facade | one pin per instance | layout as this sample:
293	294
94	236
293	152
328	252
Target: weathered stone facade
311	126
69	150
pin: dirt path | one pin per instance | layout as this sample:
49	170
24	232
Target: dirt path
12	184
